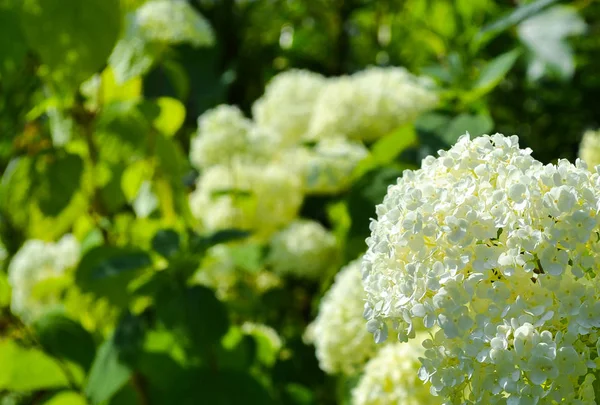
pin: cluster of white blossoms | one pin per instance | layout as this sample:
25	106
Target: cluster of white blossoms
173	21
304	249
391	377
327	168
225	137
500	253
589	148
255	172
261	198
342	342
287	105
35	263
370	104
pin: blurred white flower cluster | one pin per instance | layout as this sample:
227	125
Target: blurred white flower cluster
500	253
370	104
36	264
342	342
304	248
255	173
589	148
173	21
391	377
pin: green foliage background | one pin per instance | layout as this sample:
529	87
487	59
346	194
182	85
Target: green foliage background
73	160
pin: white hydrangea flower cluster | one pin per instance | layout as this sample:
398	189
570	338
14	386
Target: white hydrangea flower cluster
225	136
35	263
173	22
589	148
500	252
391	377
304	249
370	104
261	198
342	342
327	168
287	105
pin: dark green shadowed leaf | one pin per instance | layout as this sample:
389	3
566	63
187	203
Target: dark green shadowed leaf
65	338
107	270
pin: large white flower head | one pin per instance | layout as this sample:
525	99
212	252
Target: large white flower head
589	148
287	105
370	104
500	252
35	263
342	342
259	198
391	377
173	21
304	249
327	168
226	136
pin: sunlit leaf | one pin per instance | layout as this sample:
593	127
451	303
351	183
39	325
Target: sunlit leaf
73	38
28	369
545	36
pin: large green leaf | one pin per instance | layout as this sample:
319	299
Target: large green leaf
74	38
521	13
28	369
106	271
388	148
166	242
545	35
65	338
16	189
108	374
495	71
196	314
67	398
59	182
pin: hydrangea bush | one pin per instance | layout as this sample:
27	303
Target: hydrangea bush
496	254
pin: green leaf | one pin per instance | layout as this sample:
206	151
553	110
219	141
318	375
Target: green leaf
202	243
5	292
73	38
13	47
59	183
166	242
67	398
107	375
237	351
247	256
196	314
388	148
106	271
495	71
171	116
298	394
16	189
475	125
521	13
28	369
134	176
545	36
65	338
